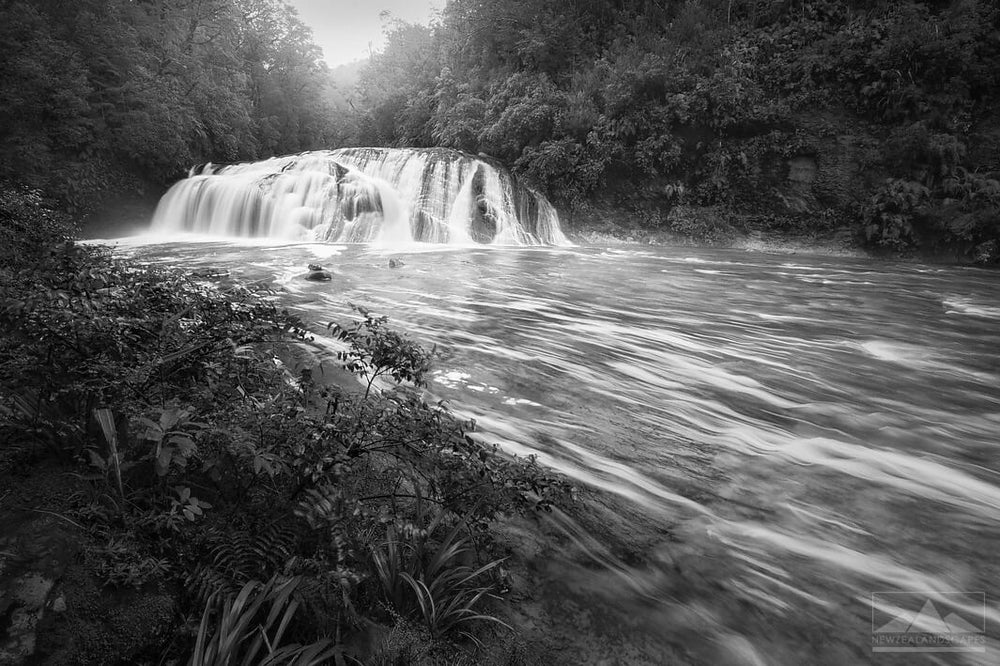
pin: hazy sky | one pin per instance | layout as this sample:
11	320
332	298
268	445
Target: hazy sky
345	29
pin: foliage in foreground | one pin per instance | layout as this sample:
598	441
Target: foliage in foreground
210	466
250	629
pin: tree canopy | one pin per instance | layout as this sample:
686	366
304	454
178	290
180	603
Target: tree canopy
100	92
694	102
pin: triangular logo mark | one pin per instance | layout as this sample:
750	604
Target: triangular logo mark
899	624
928	620
960	626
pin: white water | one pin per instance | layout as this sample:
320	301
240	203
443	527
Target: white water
387	197
777	442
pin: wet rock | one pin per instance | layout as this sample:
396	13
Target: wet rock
396	263
34	554
318	274
23	605
209	272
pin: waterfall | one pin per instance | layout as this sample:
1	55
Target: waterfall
386	196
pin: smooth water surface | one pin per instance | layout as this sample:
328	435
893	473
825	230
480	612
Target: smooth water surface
783	436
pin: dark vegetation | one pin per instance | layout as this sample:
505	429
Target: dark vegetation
104	97
711	117
287	520
704	118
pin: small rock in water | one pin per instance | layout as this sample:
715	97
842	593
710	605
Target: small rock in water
209	273
318	274
396	263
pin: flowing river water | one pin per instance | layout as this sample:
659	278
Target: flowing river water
798	451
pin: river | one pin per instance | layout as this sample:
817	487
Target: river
796	451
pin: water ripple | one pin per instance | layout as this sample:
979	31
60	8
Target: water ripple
808	432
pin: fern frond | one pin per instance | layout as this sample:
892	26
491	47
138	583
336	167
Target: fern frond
244	554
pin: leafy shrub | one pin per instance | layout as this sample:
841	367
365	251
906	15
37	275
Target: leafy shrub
703	224
376	351
965	213
917	150
121	563
971	188
29	225
108	332
888	215
564	168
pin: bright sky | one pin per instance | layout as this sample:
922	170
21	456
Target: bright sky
347	29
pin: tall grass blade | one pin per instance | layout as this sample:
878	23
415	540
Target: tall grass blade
106	420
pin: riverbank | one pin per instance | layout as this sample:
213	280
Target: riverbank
717	227
171	441
838	241
835	246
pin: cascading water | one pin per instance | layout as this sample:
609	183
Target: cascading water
387	196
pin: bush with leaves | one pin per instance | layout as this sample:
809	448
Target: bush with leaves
375	351
888	215
110	333
706	224
29	224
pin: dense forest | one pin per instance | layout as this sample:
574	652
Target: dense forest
708	116
704	117
103	96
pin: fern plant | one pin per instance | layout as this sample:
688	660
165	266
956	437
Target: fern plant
238	556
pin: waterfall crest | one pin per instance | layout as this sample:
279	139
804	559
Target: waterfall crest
386	196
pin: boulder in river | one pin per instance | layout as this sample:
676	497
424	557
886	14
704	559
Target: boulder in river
318	274
396	263
209	272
